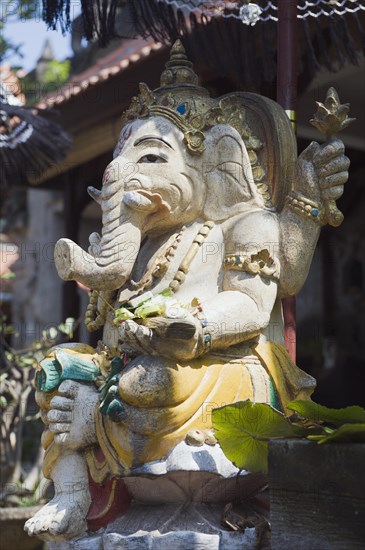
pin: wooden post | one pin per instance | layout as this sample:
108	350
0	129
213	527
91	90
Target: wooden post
286	96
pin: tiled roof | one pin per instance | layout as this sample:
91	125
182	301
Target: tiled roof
112	64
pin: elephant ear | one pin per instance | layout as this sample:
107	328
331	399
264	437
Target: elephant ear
273	161
228	175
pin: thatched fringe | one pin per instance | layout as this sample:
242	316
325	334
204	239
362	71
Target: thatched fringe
328	39
360	30
29	143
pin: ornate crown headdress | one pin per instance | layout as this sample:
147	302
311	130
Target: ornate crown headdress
189	106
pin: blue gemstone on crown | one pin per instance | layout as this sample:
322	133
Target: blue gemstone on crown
181	109
315	212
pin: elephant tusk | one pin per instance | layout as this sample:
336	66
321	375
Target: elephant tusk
137	201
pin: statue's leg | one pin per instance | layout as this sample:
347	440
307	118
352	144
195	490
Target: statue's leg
70	419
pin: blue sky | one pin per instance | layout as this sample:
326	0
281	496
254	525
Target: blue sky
32	35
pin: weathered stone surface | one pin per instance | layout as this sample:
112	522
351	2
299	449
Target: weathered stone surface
206	458
166	527
187	278
87	543
203	486
317	495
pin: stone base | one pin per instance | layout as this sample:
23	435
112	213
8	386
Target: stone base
183	526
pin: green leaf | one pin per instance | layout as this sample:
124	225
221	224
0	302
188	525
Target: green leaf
27	361
67	327
56	73
328	430
313	411
8	329
148	310
3	402
167	292
315	437
139	300
8	276
123	314
243	430
349	433
52	333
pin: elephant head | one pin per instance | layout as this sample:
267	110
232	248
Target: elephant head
147	187
154	184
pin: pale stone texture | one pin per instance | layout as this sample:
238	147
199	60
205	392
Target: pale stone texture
166	527
165	175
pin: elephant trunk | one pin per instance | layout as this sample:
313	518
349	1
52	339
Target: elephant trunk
114	254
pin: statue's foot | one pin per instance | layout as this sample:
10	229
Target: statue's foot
63	518
72	415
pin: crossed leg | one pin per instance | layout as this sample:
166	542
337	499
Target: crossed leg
71	420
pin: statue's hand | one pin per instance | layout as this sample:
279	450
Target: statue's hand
179	339
332	169
322	171
306	179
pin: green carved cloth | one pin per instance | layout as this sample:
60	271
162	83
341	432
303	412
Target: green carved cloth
70	366
64	366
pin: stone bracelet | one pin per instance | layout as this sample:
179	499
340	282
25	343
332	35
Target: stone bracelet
207	337
305	207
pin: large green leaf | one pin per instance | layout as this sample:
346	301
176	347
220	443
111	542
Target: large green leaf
313	411
243	430
350	433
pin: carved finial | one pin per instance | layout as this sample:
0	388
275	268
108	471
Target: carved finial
330	118
178	54
179	70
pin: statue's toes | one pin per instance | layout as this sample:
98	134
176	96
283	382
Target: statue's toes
37	525
67	524
42	525
29	526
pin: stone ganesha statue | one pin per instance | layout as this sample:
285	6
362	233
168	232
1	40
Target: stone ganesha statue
209	219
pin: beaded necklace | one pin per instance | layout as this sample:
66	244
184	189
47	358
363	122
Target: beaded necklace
95	320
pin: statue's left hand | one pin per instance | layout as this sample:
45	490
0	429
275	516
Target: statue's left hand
179	339
332	169
322	171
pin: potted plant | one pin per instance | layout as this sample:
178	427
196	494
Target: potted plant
22	487
315	461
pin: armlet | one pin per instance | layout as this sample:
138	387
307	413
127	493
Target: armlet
260	263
